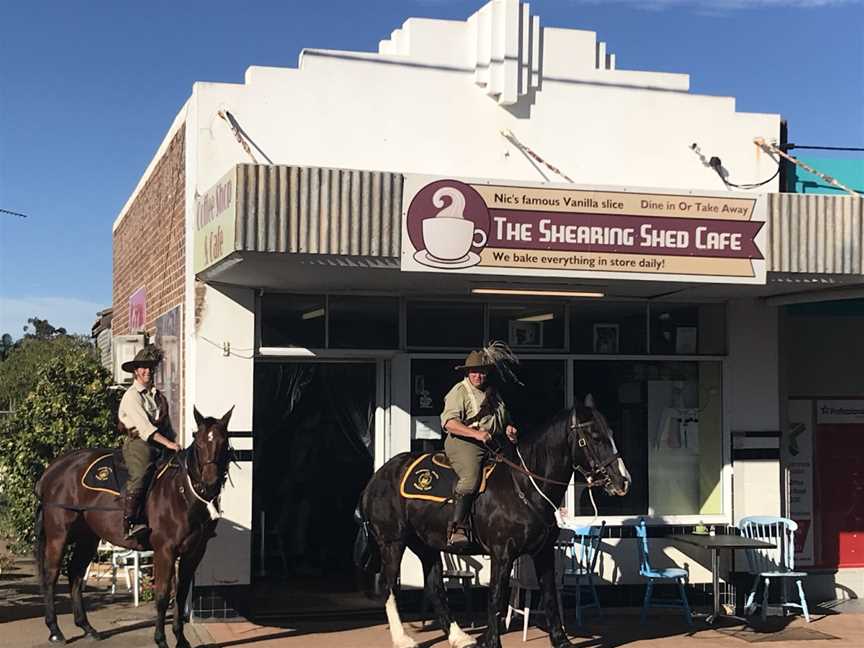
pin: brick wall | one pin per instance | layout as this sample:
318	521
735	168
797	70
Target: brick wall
149	246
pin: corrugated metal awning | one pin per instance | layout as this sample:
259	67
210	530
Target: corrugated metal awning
341	212
310	210
815	234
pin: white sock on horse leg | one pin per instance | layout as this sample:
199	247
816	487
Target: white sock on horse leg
397	632
458	638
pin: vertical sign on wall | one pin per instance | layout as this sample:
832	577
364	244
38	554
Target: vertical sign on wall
137	310
839	470
168	375
797	454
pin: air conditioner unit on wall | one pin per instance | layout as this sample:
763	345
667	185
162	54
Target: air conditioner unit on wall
124	348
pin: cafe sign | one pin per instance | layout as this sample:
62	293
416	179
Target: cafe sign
215	217
562	231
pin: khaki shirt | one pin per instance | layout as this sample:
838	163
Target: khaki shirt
137	408
464	401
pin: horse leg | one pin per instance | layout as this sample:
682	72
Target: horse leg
188	565
391	562
544	566
435	592
52	532
500	576
163	574
82	555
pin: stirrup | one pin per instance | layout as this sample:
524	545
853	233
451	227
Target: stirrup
136	529
458	538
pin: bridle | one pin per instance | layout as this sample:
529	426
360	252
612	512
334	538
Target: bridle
222	463
597	473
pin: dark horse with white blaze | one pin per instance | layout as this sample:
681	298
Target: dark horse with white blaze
181	516
510	519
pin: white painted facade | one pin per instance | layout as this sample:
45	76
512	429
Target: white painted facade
434	100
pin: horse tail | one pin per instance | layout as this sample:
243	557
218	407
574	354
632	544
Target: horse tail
39	547
367	554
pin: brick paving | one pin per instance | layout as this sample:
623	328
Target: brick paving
125	626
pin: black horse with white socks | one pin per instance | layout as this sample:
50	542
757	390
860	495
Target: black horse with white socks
512	518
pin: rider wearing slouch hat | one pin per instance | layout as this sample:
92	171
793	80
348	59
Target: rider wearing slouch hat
143	417
473	413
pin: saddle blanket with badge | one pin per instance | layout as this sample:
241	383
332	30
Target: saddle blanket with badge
107	473
431	477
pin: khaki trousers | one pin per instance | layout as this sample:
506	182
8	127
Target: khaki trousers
139	457
466	457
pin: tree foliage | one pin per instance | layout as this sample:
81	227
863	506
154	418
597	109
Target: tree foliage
20	369
69	406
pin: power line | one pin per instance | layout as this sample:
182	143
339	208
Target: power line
13	213
771	148
789	147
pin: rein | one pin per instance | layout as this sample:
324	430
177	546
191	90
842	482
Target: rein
500	458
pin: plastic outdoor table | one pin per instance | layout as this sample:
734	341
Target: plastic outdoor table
715	543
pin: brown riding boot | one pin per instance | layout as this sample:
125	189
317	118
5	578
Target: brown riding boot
131	514
458	529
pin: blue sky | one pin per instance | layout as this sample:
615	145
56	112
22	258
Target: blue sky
88	90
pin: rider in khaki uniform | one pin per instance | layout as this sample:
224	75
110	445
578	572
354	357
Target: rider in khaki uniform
143	416
473	412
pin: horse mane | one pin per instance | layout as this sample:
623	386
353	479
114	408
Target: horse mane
536	435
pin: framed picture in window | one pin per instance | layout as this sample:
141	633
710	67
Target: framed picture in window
526	334
686	339
605	338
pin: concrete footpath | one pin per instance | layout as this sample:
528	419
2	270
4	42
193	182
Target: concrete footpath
125	626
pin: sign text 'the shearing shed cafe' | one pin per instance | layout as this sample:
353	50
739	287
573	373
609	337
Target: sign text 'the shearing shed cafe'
485	228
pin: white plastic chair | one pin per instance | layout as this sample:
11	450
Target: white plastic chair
523	584
768	563
131	562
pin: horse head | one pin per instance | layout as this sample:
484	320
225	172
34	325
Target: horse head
593	450
210	448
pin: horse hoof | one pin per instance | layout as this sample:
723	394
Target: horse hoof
57	638
90	631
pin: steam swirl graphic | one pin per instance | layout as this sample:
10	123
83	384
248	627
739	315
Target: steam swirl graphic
455	209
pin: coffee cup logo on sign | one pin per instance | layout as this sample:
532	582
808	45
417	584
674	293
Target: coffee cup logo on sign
448	224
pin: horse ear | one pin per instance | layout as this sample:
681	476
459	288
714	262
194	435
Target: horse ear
589	401
227	417
199	420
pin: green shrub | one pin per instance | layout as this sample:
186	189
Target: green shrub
69	407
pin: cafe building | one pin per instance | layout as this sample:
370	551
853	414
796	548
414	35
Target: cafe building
330	240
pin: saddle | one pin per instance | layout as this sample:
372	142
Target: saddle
108	474
430	477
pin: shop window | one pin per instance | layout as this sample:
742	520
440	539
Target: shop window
540	396
363	322
667	422
293	320
609	328
444	325
688	329
528	327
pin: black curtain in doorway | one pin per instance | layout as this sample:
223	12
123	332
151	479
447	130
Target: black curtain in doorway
313	456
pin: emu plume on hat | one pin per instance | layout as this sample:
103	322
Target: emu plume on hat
149	356
495	355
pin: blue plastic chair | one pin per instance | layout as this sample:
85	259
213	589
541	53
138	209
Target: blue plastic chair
777	563
579	568
653	576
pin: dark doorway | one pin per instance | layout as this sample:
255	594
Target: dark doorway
314	454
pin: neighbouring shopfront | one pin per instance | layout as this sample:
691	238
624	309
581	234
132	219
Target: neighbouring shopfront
329	296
